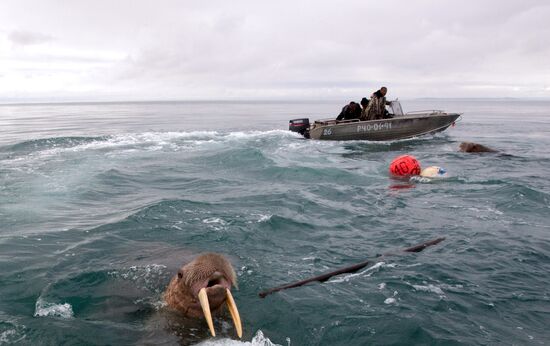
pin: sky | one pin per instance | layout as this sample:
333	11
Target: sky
99	50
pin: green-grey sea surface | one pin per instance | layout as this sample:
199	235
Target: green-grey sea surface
101	203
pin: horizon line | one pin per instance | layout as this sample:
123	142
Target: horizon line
36	102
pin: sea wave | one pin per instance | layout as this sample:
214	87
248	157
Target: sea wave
11	332
102	223
47	309
50	143
258	340
135	139
45	149
430	288
149	277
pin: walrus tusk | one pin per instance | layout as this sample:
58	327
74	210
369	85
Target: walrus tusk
232	307
203	299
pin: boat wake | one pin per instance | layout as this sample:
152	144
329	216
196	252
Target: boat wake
137	141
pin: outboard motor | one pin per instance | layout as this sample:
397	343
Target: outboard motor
299	125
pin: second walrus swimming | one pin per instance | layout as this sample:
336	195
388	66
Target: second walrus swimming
202	286
470	147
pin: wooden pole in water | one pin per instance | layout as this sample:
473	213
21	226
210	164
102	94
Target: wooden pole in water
348	269
420	247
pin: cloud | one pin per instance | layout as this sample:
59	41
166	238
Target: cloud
250	49
27	38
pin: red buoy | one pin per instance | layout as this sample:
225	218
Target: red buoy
405	165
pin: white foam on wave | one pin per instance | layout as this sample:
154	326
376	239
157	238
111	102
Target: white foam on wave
260	134
419	179
265	218
390	301
429	288
498	212
156	302
214	220
261	217
6	335
150	277
155	141
258	340
11	332
215	223
10	336
46	309
149	140
480	213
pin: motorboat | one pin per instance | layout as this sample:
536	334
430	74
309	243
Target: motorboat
397	125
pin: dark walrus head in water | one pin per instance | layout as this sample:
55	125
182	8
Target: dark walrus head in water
469	147
202	287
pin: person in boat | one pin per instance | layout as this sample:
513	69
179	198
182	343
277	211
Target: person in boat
377	105
364	105
351	111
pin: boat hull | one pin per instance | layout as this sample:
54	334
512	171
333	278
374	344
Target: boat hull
406	126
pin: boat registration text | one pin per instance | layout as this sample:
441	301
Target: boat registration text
374	127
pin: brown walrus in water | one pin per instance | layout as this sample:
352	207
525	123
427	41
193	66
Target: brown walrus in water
469	147
201	287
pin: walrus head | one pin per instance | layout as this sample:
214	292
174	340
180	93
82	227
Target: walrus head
469	147
202	286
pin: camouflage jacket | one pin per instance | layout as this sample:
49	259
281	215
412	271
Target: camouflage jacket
376	107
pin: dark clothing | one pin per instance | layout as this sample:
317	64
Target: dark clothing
349	112
364	114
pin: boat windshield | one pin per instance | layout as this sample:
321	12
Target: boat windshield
396	108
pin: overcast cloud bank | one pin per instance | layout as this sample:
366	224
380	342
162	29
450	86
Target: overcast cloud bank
188	50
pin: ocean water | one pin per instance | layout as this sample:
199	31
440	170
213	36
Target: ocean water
101	203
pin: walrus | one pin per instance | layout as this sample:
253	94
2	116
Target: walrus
201	287
469	147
